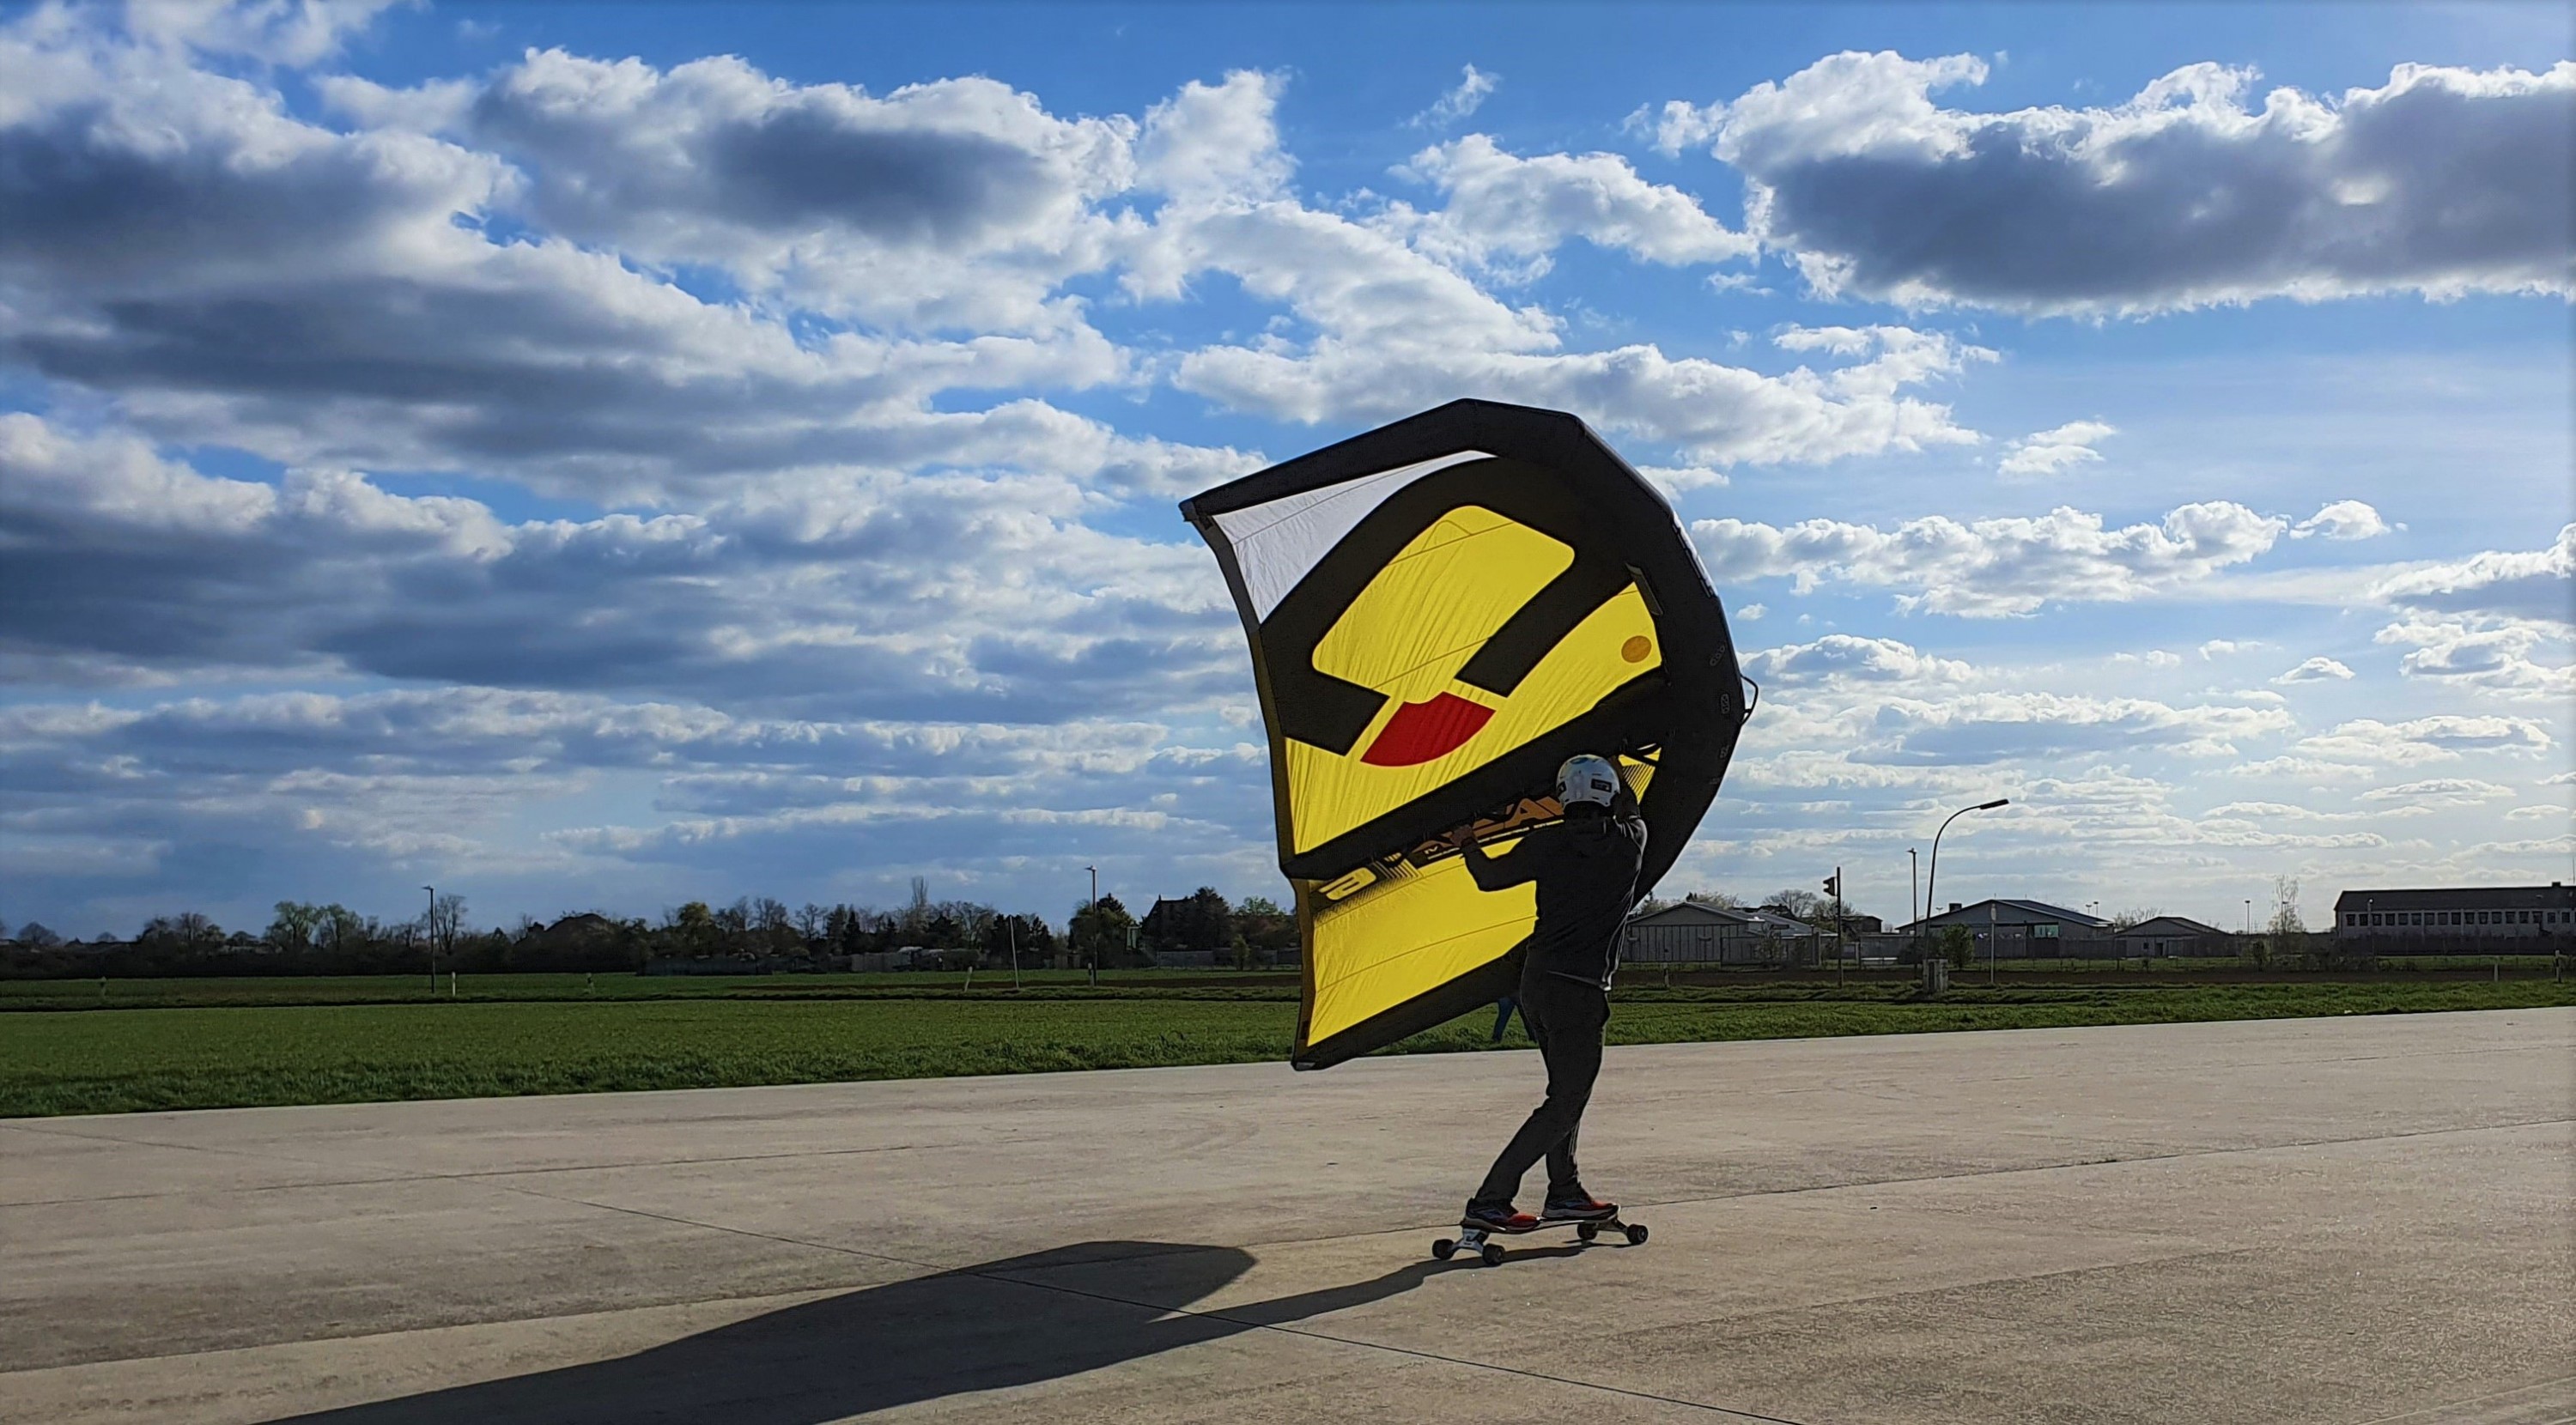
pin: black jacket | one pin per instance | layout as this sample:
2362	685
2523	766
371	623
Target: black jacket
1587	881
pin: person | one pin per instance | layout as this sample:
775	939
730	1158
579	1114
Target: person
1586	869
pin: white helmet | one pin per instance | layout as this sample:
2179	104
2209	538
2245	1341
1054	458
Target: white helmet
1586	778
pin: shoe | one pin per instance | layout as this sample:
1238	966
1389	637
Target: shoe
1498	1217
1579	1207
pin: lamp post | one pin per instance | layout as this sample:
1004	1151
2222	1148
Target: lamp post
1932	874
429	934
1094	904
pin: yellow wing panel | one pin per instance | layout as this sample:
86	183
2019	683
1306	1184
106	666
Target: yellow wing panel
1328	794
1406	937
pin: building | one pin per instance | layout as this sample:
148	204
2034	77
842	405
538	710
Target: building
1696	933
2172	935
2020	929
2497	917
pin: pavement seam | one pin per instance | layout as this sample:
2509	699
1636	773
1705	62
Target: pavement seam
395	1174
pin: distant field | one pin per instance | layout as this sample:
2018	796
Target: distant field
121	1060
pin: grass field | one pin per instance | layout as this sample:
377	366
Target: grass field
55	1061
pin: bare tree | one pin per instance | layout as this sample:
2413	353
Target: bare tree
2285	909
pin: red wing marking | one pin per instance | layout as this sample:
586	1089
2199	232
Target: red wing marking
1421	731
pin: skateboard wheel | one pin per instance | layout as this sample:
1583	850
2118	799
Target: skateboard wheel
1443	1248
1636	1234
1493	1254
1588	1231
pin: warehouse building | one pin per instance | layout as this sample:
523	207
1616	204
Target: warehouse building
2501	917
1696	933
2019	929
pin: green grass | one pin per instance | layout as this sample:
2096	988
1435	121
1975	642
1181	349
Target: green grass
120	1060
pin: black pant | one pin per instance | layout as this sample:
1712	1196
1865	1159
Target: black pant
1566	1017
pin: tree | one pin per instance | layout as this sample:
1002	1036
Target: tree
1720	899
1099	932
1798	905
35	935
446	915
1958	946
2285	909
693	929
811	920
294	927
2135	915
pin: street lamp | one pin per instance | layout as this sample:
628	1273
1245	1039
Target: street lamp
1095	924
1932	875
429	934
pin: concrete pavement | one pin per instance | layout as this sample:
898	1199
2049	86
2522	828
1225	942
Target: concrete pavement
2352	1220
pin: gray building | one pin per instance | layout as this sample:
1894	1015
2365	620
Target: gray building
2172	935
2499	916
1694	933
2019	929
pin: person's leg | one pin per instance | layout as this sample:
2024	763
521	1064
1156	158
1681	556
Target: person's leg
1572	1069
1555	1014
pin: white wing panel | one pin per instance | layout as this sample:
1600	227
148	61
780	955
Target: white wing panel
1275	544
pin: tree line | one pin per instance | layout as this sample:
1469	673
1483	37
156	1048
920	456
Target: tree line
331	939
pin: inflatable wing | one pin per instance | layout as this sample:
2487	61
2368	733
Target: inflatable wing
1441	611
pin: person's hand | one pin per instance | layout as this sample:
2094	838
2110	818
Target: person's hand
1461	836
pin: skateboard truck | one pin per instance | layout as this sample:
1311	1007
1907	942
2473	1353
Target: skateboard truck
1480	1241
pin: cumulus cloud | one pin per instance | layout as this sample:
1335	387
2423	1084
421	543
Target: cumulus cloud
1847	657
1994	567
2439	791
2535	584
959	202
2050	452
2442	181
956	596
2502	620
2343	519
1473	86
1982	728
2442	738
1503	206
2317	670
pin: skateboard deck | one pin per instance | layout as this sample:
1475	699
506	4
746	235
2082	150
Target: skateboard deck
1485	1244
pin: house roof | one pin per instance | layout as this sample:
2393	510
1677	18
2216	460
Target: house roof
2011	911
2171	925
1702	913
2458	898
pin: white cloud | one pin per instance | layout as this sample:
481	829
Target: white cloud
2441	738
2536	584
1844	657
2503	620
2050	452
2317	670
2343	519
286	32
1994	567
959	202
2439	791
2442	181
1504	207
1473	86
1213	141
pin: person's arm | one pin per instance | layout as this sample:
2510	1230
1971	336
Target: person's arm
1490	874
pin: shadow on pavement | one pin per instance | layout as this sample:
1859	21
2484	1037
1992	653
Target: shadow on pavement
877	1347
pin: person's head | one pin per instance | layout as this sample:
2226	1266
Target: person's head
1586	786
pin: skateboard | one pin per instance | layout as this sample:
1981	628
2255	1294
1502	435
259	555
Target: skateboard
1480	1241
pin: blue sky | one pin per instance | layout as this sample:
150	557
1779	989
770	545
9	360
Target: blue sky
602	456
